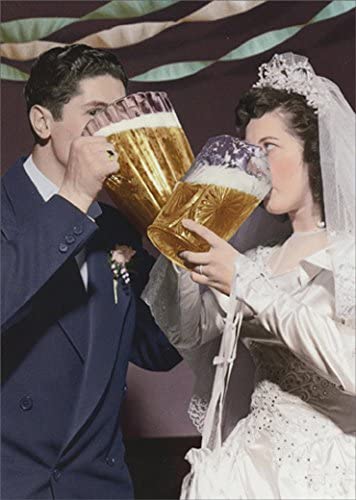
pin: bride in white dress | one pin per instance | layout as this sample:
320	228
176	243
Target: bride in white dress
292	305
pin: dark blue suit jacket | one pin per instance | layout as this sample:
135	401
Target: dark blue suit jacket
65	350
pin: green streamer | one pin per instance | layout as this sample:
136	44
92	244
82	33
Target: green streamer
10	73
256	45
27	30
333	9
260	43
172	71
128	9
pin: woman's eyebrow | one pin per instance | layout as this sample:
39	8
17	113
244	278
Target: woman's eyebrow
268	137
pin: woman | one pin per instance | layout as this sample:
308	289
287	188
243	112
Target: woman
297	303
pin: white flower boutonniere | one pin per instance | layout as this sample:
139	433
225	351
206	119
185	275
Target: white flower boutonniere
118	259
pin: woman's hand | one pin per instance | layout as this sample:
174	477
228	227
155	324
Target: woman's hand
214	268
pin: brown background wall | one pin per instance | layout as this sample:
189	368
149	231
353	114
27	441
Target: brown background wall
156	405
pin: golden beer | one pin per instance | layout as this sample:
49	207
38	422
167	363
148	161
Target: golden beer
221	209
225	183
151	160
153	153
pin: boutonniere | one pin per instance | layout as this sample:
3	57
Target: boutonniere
119	258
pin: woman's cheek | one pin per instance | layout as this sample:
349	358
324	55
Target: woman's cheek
276	173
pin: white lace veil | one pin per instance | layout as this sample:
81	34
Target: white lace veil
336	122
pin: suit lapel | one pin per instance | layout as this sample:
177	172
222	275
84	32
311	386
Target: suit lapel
106	321
73	317
70	309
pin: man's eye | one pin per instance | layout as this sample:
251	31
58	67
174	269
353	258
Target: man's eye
93	112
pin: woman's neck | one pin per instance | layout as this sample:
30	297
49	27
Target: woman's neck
306	219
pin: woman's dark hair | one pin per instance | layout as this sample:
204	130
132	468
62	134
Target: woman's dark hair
301	121
56	74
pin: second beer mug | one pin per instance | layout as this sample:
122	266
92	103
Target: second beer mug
225	183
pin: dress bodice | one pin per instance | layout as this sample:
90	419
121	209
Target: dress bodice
278	364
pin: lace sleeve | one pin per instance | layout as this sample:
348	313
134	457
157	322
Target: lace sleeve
187	316
161	295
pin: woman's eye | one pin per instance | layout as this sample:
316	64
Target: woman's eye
269	146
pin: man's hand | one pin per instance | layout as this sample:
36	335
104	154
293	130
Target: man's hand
91	161
214	268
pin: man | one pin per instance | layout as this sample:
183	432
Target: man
66	342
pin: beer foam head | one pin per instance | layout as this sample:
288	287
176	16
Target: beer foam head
164	119
226	161
142	109
231	178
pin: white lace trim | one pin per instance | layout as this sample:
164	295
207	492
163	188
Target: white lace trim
345	291
259	255
197	412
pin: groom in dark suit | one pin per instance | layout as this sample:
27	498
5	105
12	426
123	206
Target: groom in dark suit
66	342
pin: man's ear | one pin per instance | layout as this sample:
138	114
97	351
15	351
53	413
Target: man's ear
41	120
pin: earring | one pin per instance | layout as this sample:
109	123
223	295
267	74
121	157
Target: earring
320	224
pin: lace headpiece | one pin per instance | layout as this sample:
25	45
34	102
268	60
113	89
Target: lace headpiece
292	73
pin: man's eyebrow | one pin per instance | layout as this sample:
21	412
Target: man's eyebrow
92	104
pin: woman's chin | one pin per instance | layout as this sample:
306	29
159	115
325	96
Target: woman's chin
268	206
272	208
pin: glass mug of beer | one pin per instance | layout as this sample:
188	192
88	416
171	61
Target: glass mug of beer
225	183
153	153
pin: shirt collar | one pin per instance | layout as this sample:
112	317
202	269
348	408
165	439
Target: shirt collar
47	188
44	186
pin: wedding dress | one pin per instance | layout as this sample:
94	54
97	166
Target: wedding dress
298	440
293	306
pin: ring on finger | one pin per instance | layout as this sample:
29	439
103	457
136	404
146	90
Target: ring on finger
201	269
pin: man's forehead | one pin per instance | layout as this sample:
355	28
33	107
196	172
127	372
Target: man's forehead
99	89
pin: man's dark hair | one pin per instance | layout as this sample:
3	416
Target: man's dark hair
301	122
56	74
